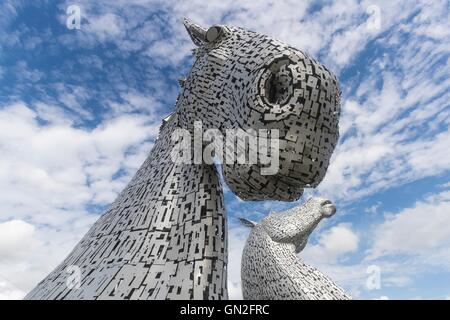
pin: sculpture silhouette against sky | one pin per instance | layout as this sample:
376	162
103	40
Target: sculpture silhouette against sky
165	236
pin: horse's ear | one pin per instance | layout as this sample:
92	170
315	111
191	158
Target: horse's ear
200	35
247	223
196	32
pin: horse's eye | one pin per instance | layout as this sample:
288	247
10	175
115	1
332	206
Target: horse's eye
213	33
279	84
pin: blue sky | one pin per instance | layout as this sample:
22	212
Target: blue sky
79	111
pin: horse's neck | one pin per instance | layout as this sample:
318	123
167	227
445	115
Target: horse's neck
164	237
190	208
180	208
281	262
316	284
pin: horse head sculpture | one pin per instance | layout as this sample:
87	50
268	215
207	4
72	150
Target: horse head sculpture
270	269
242	79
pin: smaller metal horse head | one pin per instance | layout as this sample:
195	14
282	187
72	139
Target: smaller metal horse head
270	268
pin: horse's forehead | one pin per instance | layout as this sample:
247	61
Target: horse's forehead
300	214
242	39
279	219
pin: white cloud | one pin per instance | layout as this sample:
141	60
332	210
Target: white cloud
74	98
16	239
445	185
135	102
58	165
332	245
418	230
397	280
338	27
53	114
382	298
372	209
104	26
49	173
29	74
9	291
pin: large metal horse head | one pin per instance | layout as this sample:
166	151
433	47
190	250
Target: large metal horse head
243	79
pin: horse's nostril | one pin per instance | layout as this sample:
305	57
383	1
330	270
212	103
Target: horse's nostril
328	209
